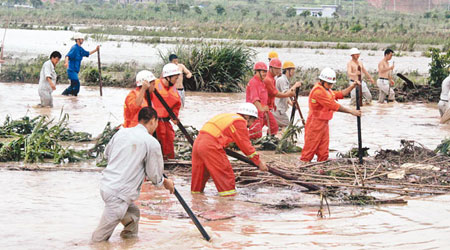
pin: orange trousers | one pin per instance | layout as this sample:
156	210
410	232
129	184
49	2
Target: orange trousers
317	139
255	130
166	135
209	159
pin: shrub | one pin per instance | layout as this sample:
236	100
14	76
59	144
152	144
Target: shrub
356	28
291	12
439	66
214	68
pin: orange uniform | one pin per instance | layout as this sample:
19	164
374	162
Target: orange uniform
131	110
256	91
209	157
322	105
164	131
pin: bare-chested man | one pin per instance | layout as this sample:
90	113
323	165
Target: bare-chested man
353	73
385	81
179	85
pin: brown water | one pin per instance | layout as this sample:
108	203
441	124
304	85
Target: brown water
59	210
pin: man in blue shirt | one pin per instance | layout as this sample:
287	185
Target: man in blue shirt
73	62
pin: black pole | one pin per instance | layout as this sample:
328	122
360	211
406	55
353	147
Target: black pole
100	72
358	118
191	214
297	90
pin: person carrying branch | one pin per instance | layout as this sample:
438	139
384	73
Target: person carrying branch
132	154
73	64
322	105
354	69
166	88
385	78
209	158
137	98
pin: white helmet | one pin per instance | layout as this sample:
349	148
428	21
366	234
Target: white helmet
328	75
78	36
248	109
354	51
144	75
170	69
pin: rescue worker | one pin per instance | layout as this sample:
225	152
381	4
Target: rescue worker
137	98
73	63
208	154
166	88
132	154
322	105
353	72
47	80
272	55
272	92
385	81
443	104
282	86
256	93
179	85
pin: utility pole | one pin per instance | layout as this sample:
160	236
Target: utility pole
395	5
429	5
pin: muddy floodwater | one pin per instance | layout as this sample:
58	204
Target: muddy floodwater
60	210
22	44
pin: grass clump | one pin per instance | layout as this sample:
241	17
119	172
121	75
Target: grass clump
220	68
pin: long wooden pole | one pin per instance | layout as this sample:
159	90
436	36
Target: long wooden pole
100	72
228	151
358	118
191	214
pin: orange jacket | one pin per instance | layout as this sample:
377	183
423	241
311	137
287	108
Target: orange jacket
131	110
322	102
272	91
227	128
170	95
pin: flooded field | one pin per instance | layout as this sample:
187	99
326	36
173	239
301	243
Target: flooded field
22	44
383	126
60	210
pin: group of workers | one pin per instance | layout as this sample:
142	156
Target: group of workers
138	150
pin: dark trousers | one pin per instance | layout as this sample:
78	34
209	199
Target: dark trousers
73	89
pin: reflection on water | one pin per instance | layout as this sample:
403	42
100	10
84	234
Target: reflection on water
60	210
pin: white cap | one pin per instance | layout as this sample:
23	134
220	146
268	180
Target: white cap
78	36
328	75
170	69
248	109
354	51
144	75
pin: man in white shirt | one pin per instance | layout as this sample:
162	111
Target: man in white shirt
132	155
47	80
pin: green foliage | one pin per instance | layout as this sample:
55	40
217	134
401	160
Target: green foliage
220	9
353	153
439	67
444	147
42	143
356	28
214	68
198	10
291	12
305	13
288	142
36	3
